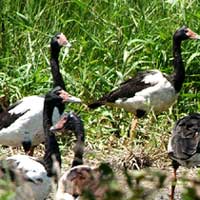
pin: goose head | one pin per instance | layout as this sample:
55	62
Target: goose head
70	122
185	33
67	122
59	96
59	40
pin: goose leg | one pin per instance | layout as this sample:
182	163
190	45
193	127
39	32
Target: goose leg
139	113
11	150
28	148
31	150
133	127
175	167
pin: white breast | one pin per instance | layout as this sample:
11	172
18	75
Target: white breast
29	126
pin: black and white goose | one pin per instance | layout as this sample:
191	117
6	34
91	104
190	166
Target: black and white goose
184	145
150	90
21	124
72	122
80	177
36	175
67	190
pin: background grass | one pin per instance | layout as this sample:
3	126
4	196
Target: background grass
112	40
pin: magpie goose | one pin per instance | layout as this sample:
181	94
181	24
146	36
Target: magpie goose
21	123
80	177
72	122
152	89
184	145
33	176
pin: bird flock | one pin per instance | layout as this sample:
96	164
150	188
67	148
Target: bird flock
35	119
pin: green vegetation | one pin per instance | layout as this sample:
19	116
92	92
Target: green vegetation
111	41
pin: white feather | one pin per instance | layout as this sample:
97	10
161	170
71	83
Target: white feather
169	146
153	78
65	196
29	126
41	185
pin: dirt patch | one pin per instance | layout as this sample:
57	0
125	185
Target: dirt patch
117	158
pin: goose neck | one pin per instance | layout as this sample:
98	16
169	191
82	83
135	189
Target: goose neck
179	70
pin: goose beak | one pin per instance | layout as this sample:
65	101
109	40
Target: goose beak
55	128
60	124
198	37
67	44
193	35
68	98
72	99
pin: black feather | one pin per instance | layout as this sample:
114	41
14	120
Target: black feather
186	137
6	118
126	90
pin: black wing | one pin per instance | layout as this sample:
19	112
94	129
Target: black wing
6	118
186	136
126	90
14	105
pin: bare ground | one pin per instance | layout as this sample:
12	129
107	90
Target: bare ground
117	160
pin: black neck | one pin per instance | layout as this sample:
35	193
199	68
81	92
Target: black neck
79	146
47	116
52	155
179	70
51	145
55	69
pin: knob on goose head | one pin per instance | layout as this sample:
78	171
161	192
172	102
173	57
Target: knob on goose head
185	33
